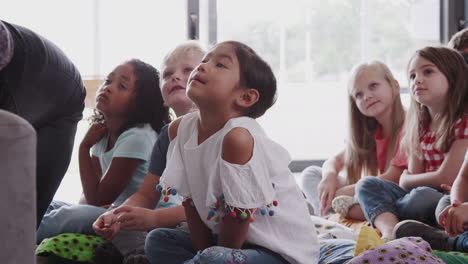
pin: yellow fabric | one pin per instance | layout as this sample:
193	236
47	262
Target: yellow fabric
367	239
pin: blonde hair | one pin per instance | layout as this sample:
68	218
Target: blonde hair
188	48
454	68
360	154
459	40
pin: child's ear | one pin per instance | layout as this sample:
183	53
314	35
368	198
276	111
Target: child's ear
247	98
396	86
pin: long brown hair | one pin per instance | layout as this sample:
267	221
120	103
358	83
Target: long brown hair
360	152
453	66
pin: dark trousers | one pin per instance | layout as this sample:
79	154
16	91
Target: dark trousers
54	148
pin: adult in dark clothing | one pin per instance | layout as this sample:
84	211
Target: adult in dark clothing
39	83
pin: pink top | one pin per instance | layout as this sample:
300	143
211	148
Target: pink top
381	144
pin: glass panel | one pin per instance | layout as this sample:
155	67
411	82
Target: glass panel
69	24
146	30
97	35
312	44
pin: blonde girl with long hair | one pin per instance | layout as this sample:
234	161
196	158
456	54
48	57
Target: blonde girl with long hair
376	118
436	139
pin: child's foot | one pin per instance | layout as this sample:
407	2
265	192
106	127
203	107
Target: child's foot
342	204
437	238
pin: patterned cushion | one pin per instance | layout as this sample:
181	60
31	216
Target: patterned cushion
76	247
408	250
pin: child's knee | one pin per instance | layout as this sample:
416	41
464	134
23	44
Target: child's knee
367	184
421	204
312	172
424	196
158	238
155	237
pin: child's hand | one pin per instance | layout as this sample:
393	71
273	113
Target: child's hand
443	215
107	225
135	218
403	178
327	191
446	188
95	133
455	218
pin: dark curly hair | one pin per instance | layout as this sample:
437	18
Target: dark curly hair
148	106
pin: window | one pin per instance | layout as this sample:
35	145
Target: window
311	45
97	35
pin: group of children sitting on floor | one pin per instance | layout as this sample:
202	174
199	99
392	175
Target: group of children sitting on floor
212	187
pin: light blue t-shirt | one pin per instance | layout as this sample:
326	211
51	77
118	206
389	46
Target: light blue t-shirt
137	143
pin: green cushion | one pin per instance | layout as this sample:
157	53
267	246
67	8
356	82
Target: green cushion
76	247
452	257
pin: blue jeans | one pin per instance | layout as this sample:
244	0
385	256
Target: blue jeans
175	246
62	217
461	242
377	196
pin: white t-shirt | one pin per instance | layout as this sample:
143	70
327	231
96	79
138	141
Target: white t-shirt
199	172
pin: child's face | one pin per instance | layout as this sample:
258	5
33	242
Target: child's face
372	93
116	95
175	76
428	84
215	80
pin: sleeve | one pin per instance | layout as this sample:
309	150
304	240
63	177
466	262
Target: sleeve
246	188
96	150
174	178
135	144
158	157
460	129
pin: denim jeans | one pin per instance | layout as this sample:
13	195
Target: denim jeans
461	242
175	246
62	217
377	196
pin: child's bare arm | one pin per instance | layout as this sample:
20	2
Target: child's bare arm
233	231
329	186
392	174
201	235
446	174
104	191
459	190
238	147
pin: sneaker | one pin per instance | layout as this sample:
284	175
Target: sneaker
437	238
342	204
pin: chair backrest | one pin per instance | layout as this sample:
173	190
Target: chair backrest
17	189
